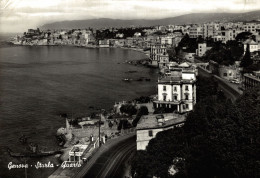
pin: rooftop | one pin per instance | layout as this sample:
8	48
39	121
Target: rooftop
176	79
153	121
79	148
250	41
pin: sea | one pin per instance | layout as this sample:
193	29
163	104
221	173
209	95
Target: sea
39	83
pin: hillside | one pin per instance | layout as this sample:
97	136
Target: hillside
183	19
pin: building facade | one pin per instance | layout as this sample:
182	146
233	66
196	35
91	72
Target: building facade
202	49
252	80
149	125
156	51
177	91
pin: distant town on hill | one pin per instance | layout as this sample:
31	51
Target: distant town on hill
183	19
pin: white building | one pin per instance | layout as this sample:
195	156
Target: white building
251	27
166	40
149	125
103	43
137	34
177	90
202	49
163	60
156	51
119	35
195	31
253	46
76	152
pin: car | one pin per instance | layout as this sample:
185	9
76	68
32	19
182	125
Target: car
236	81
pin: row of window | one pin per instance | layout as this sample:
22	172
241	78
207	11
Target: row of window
175	88
175	97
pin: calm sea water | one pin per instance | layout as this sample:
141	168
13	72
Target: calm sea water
37	84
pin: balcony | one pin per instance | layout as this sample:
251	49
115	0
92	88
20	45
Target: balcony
167	102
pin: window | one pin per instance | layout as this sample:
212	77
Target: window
175	97
175	89
185	106
164	98
187	88
150	133
186	96
164	88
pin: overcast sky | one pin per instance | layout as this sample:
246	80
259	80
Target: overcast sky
19	15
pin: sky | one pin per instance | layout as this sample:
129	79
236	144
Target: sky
19	15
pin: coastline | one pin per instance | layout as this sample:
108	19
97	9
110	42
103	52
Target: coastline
83	46
124	73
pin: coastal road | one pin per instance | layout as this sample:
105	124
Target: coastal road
230	90
110	162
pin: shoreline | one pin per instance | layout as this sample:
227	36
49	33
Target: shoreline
80	46
141	62
139	56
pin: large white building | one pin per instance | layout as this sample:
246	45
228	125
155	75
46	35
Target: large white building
177	90
149	125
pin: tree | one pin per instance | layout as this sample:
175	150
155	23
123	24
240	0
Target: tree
123	124
246	60
128	109
243	36
142	111
187	44
219	139
224	54
236	49
172	54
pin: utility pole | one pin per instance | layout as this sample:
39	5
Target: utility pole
99	142
99	139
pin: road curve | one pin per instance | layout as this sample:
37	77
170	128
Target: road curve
223	85
109	162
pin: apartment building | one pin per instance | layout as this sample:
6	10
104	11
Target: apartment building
156	51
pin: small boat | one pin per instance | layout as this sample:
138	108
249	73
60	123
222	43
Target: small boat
126	79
